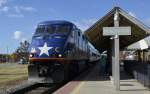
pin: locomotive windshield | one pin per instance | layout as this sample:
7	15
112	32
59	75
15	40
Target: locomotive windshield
51	29
62	29
40	30
43	29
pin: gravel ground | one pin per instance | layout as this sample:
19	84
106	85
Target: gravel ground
10	87
11	75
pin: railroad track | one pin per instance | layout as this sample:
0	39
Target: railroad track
37	88
34	88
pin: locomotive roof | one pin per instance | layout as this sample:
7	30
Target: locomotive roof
54	22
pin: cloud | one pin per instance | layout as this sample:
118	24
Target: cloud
3	2
17	35
15	11
85	23
132	14
19	9
4	9
27	8
15	15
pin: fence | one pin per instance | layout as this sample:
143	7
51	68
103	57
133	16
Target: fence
139	70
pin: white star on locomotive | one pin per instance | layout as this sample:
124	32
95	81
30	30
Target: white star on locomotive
44	49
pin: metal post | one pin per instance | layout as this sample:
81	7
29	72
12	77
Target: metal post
148	76
116	52
115	32
7	58
113	61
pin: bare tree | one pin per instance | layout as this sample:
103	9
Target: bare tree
22	51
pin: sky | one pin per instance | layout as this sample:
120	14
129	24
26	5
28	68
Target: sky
19	18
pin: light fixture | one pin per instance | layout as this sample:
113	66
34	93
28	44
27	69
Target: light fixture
59	55
31	55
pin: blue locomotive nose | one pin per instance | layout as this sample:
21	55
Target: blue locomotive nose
49	39
47	46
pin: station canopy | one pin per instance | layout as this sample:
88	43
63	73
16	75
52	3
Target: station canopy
140	45
95	34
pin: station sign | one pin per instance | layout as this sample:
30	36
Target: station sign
109	31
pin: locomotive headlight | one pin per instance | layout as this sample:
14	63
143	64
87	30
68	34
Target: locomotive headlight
31	55
57	49
59	55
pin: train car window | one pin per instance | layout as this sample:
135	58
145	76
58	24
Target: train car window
63	29
83	37
72	34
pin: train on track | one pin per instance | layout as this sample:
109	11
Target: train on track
58	52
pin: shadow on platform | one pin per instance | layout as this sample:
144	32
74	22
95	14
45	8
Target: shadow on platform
92	74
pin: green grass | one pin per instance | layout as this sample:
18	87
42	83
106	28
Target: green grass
12	72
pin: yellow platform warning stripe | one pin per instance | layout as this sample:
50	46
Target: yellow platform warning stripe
77	89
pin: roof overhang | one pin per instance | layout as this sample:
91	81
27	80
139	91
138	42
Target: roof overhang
95	34
140	45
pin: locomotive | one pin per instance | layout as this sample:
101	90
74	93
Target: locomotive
58	52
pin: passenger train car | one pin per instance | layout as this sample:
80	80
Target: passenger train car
58	52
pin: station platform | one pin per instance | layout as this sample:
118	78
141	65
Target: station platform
91	82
